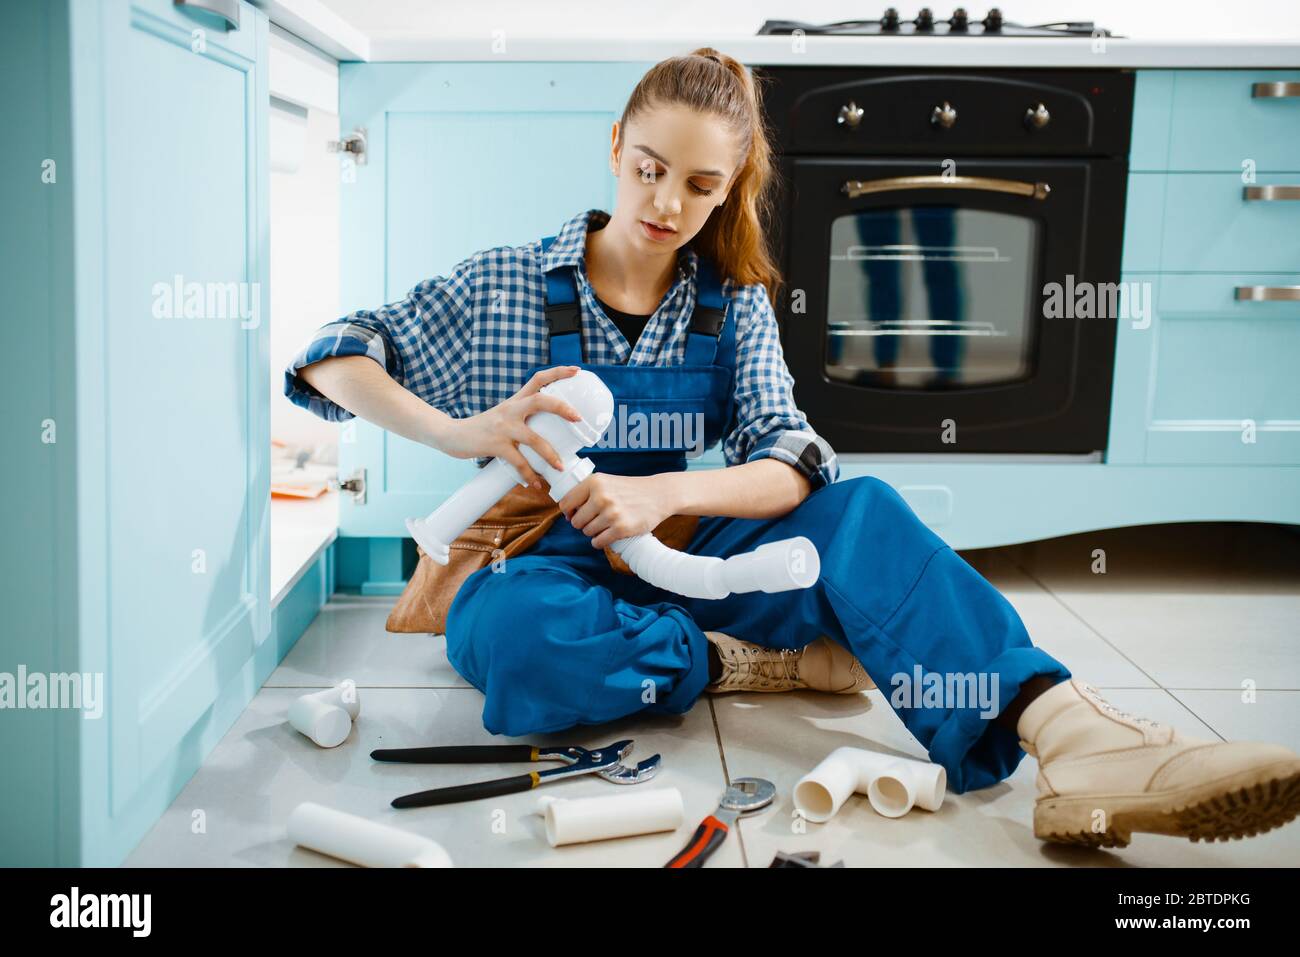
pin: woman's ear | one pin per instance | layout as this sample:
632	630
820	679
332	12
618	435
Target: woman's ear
613	149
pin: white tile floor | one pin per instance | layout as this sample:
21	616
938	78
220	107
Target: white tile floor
1181	618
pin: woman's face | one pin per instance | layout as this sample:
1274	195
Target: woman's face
675	168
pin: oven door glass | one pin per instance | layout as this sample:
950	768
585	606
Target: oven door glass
931	297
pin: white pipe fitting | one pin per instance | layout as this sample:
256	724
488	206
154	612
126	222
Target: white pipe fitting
772	567
574	820
326	716
892	784
354	839
590	397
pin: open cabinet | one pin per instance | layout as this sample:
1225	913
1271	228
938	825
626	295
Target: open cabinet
136	546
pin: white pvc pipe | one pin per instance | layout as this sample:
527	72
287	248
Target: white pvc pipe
574	820
326	716
892	784
345	695
772	567
354	839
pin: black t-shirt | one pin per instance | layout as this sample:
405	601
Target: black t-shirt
631	326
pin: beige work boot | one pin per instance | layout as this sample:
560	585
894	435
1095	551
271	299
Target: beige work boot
821	666
1104	773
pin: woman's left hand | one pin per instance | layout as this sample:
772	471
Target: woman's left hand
607	508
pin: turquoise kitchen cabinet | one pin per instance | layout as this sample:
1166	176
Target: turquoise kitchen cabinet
138	547
1223	384
1209	378
458	157
1215	120
1212	222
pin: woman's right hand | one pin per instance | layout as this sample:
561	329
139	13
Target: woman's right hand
498	431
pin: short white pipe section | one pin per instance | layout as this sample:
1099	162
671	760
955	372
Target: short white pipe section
575	820
772	567
326	716
892	784
354	839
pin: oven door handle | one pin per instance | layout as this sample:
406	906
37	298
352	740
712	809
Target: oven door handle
854	188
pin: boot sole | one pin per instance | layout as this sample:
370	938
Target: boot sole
1242	805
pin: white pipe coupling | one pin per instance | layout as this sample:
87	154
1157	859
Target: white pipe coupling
892	784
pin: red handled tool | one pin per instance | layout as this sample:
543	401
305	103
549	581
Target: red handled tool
744	796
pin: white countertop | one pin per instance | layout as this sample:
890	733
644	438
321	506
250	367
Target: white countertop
862	51
1192	33
301	528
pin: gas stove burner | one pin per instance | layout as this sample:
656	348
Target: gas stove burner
925	25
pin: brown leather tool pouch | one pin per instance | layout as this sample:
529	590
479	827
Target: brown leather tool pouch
510	527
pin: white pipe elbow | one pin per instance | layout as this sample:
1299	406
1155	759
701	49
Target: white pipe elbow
892	784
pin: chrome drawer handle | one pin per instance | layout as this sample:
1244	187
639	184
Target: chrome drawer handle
1268	293
854	188
1275	90
1271	193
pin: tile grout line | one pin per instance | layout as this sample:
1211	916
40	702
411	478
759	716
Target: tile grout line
726	777
1060	601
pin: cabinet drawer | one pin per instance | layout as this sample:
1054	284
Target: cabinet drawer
1223	386
1217	124
1211	226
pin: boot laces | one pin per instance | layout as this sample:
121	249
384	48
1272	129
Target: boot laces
765	666
1118	713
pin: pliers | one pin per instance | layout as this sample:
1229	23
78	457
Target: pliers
606	762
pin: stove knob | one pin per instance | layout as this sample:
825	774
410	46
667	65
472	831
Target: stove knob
1036	117
850	115
993	22
959	20
944	116
890	20
924	19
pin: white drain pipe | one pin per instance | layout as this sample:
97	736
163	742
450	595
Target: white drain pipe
776	566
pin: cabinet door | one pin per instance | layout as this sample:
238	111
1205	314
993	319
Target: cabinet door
1222	384
460	157
170	127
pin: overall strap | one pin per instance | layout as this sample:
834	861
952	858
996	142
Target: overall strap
563	313
704	342
711	338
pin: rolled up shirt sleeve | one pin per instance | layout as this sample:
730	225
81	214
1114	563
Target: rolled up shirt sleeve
422	341
767	423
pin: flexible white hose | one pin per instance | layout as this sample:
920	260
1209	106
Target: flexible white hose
772	567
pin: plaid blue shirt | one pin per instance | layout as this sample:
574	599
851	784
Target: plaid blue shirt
463	343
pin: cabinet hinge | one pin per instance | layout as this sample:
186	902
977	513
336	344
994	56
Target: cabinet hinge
356	484
354	144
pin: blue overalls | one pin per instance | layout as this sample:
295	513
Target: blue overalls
558	638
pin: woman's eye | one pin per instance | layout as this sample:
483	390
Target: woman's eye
701	191
649	175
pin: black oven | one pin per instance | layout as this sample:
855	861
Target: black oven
931	228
